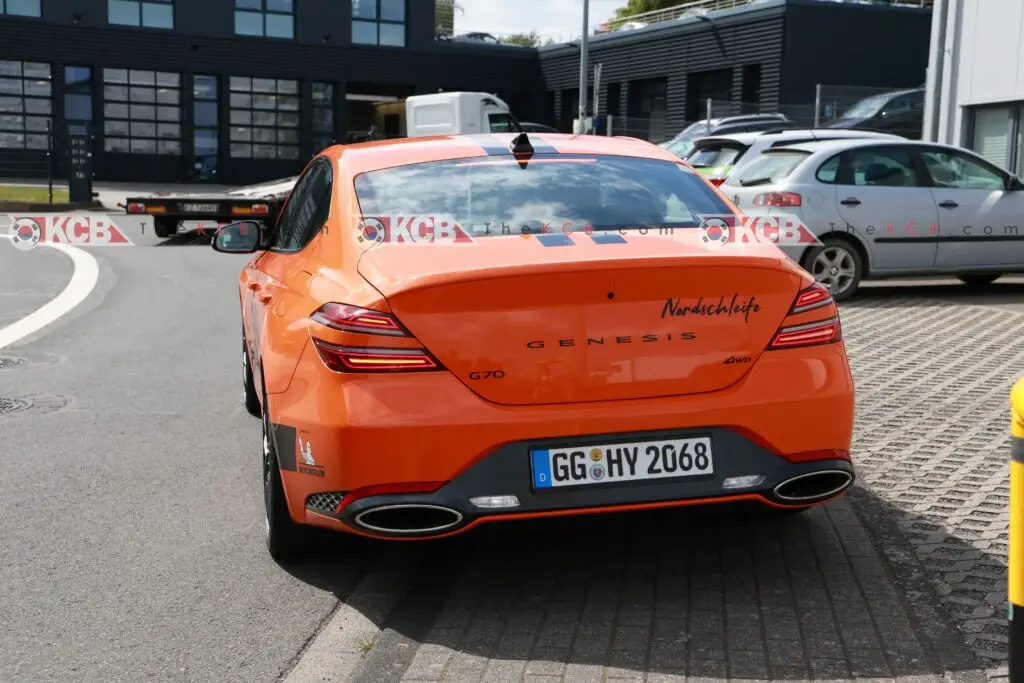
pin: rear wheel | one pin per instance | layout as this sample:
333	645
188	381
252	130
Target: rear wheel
978	280
285	538
165	227
837	265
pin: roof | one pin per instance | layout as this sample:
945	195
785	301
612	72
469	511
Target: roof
844	143
369	156
748	138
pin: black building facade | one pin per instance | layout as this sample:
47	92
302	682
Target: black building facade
183	84
253	88
770	54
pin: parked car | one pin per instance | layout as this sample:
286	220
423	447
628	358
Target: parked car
717	156
682	143
900	112
476	37
882	208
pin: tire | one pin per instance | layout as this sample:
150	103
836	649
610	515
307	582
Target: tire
839	267
165	227
252	397
978	280
285	538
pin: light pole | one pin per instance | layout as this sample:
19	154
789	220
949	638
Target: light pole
582	114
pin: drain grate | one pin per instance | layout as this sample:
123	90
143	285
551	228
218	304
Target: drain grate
10	362
13	405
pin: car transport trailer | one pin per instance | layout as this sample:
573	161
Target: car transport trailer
260	202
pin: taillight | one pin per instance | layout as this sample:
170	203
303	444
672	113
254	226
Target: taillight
260	209
716	181
794	335
812	334
363	359
777	199
347	359
815	296
360	320
135	207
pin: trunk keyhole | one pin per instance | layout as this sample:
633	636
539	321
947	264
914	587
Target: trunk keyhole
611	295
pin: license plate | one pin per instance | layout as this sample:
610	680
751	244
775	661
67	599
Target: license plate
611	463
199	208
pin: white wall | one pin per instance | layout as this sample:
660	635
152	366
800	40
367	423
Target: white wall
982	59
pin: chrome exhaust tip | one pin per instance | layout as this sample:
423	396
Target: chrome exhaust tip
408	518
813	486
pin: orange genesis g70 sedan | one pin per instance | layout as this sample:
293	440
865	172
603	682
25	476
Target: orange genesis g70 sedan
441	332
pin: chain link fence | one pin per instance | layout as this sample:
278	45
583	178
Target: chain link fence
650	129
828	103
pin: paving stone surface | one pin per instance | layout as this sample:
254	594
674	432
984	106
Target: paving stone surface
932	439
901	580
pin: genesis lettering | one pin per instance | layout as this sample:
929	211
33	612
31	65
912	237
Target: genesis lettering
600	341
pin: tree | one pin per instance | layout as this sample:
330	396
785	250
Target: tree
635	7
444	16
530	39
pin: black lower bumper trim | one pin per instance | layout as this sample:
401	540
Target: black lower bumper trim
507	472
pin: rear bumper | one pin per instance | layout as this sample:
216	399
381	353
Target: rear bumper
507	472
378	440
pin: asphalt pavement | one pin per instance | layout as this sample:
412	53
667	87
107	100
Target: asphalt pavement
131	520
131	516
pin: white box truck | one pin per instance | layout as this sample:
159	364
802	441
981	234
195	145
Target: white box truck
448	113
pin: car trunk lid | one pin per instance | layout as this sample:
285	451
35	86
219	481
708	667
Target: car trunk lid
651	316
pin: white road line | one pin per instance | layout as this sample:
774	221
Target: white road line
83	280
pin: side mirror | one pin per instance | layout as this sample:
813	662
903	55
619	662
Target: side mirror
1014	184
238	238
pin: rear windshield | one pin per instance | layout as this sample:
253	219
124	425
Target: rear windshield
716	155
680	146
768	169
494	196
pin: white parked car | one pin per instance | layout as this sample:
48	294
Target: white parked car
715	157
885	208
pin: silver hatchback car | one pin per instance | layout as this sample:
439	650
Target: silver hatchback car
887	209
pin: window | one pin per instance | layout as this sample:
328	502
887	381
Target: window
885	168
485	197
205	123
378	22
26	103
647	99
268	18
992	127
500	123
306	209
769	168
828	171
21	8
950	169
323	116
78	96
141	111
152	13
716	155
264	118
